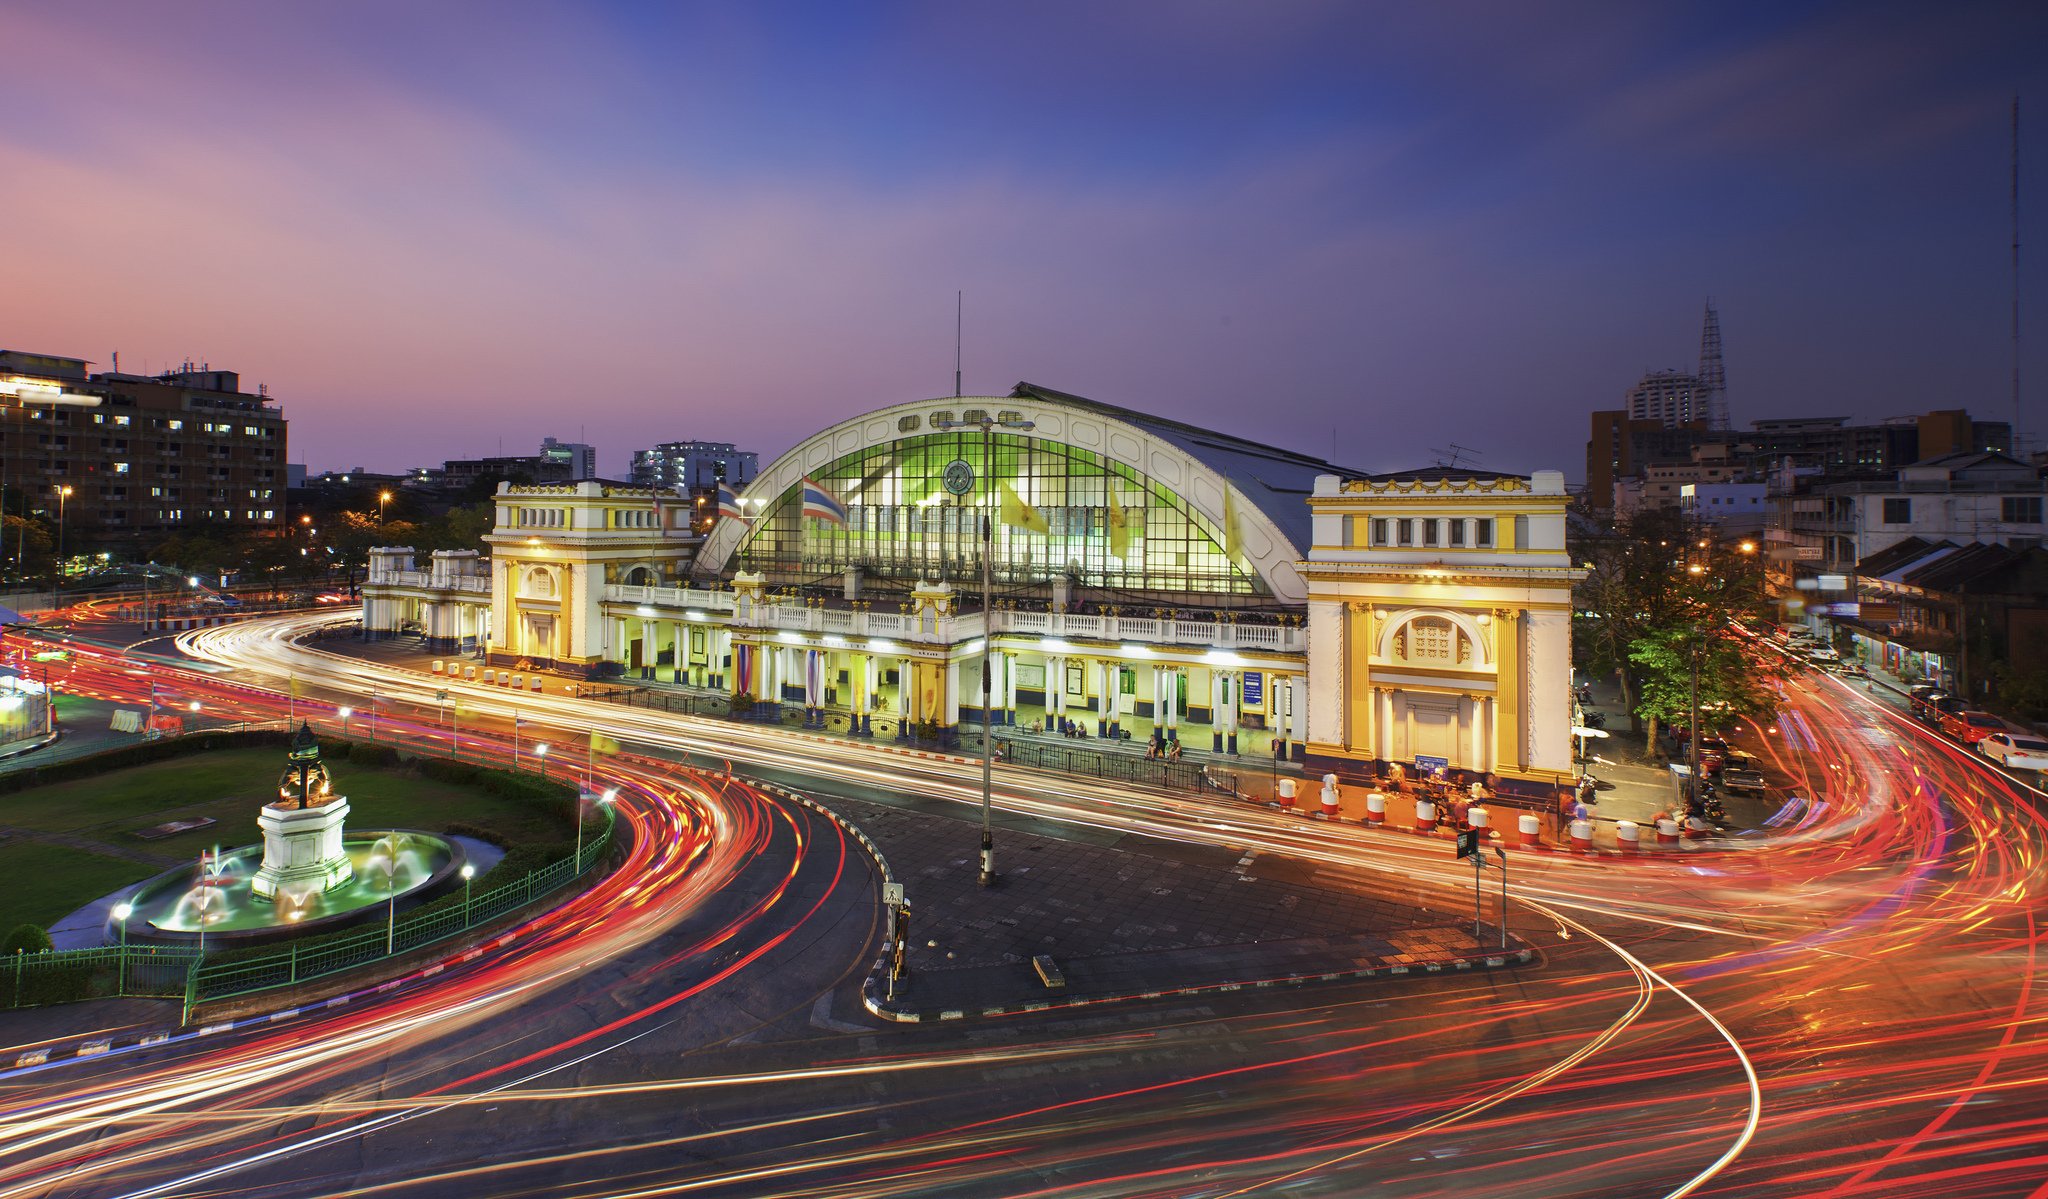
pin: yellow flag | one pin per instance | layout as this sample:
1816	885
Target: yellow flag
601	744
1020	515
1233	533
292	685
1119	525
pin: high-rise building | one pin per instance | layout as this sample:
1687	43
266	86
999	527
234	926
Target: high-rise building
143	456
580	458
694	466
1671	398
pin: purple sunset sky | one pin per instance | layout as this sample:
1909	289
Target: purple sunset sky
430	228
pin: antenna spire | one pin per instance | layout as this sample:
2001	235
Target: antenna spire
1713	385
959	309
2016	273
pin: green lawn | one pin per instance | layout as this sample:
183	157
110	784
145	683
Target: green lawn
46	883
230	786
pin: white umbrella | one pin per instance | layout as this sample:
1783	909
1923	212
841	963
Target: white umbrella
1586	732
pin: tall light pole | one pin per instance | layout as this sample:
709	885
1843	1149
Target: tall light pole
988	426
344	713
63	493
468	873
540	754
383	498
603	801
121	913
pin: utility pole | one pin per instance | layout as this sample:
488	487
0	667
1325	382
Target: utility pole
1692	740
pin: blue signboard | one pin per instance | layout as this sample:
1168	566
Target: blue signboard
1429	765
1254	689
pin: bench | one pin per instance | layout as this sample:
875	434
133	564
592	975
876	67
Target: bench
1049	972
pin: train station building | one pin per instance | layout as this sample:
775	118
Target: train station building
1149	581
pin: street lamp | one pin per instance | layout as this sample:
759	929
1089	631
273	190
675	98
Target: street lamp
988	426
383	498
603	800
63	493
344	713
121	913
540	753
468	873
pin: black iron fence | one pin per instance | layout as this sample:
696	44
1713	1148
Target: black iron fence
1127	768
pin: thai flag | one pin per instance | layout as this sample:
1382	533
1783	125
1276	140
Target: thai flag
729	503
821	504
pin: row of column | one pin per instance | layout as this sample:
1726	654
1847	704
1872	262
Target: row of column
763	672
1476	722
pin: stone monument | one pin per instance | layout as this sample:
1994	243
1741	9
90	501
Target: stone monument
302	849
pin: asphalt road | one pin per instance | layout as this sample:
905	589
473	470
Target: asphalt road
1842	1006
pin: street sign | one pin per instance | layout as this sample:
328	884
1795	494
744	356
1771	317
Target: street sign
441	697
892	895
1254	689
1468	842
1426	764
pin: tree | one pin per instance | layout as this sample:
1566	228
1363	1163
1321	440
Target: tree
1730	682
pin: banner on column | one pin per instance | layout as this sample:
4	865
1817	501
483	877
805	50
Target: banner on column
1254	689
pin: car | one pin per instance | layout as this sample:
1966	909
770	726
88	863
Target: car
1970	727
2015	751
1921	698
331	597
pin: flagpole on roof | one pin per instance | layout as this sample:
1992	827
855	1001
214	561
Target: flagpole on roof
959	310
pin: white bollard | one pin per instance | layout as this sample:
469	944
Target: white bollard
1286	793
1628	836
1667	833
1330	798
439	666
1425	815
1531	829
1478	818
1375	809
1582	835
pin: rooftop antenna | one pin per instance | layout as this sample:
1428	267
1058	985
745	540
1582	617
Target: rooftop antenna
1449	457
959	310
2016	273
1712	405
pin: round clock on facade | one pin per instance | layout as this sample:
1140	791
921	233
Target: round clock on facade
959	477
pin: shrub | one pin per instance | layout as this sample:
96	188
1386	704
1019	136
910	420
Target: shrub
26	938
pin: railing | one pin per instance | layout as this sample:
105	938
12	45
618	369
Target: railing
1129	768
75	975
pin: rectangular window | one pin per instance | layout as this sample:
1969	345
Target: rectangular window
1407	532
2021	510
1457	532
1429	532
1379	530
1521	532
1898	512
1482	533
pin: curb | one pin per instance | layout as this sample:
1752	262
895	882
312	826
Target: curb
904	1015
1446	833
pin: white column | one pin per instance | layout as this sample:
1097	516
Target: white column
1108	711
1231	694
906	695
1216	710
1010	687
1385	749
1486	719
950	714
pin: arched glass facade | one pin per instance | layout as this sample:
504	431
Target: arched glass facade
903	524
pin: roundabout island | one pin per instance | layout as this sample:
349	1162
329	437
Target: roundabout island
308	873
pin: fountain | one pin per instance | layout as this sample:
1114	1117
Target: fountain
307	873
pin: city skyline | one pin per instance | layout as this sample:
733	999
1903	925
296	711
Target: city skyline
1354	233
